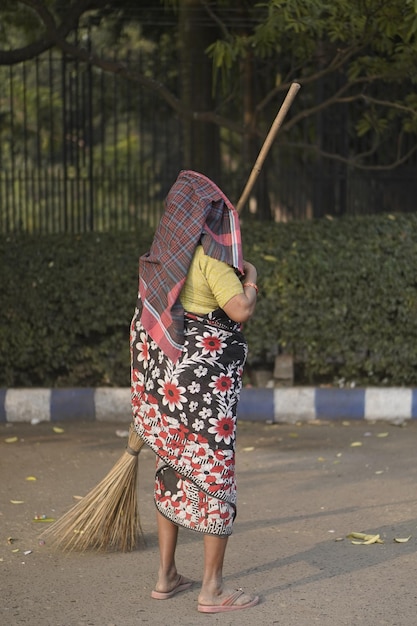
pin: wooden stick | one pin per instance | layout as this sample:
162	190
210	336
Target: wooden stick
289	98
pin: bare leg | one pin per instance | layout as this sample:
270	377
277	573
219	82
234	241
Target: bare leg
168	576
213	591
214	551
169	582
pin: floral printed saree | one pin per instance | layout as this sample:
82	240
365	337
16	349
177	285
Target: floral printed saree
186	412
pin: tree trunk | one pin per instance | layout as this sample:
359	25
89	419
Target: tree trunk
201	146
258	202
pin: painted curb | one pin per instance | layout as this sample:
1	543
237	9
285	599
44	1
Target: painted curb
283	405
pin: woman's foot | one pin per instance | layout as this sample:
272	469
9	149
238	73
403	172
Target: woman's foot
168	588
227	600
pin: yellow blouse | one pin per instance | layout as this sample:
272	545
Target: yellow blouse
210	284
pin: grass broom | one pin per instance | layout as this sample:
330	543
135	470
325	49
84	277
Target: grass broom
107	518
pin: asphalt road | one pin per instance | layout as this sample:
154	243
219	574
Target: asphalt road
302	490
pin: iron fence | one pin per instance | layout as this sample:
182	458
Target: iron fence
83	150
80	150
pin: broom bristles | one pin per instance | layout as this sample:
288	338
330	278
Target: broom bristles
107	517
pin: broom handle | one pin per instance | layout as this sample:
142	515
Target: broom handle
289	98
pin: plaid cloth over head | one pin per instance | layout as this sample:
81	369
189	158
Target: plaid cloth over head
196	211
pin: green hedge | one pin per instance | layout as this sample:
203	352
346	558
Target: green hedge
67	302
340	295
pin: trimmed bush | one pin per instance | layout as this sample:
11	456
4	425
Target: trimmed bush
339	295
67	302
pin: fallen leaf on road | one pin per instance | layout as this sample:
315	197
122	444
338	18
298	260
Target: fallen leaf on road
402	539
364	539
356	444
11	439
58	430
372	539
382	434
17	501
31	478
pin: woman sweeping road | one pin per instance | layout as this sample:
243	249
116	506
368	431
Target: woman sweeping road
188	353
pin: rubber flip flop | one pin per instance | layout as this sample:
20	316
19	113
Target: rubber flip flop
182	585
228	604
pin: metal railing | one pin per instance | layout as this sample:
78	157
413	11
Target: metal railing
82	150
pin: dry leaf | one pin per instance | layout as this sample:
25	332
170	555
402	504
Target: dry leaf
402	539
58	430
355	535
382	434
372	539
31	478
17	501
356	444
364	539
11	439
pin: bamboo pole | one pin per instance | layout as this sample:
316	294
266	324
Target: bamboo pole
276	125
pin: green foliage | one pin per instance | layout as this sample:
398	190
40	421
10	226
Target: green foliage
340	295
66	308
363	47
18	24
341	51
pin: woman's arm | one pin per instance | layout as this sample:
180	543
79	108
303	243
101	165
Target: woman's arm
240	308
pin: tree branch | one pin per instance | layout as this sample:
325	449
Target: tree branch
215	19
52	31
336	98
355	162
337	62
56	36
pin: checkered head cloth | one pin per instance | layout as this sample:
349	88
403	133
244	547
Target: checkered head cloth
196	211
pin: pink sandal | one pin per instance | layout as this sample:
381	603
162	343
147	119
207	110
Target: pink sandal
228	604
182	585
